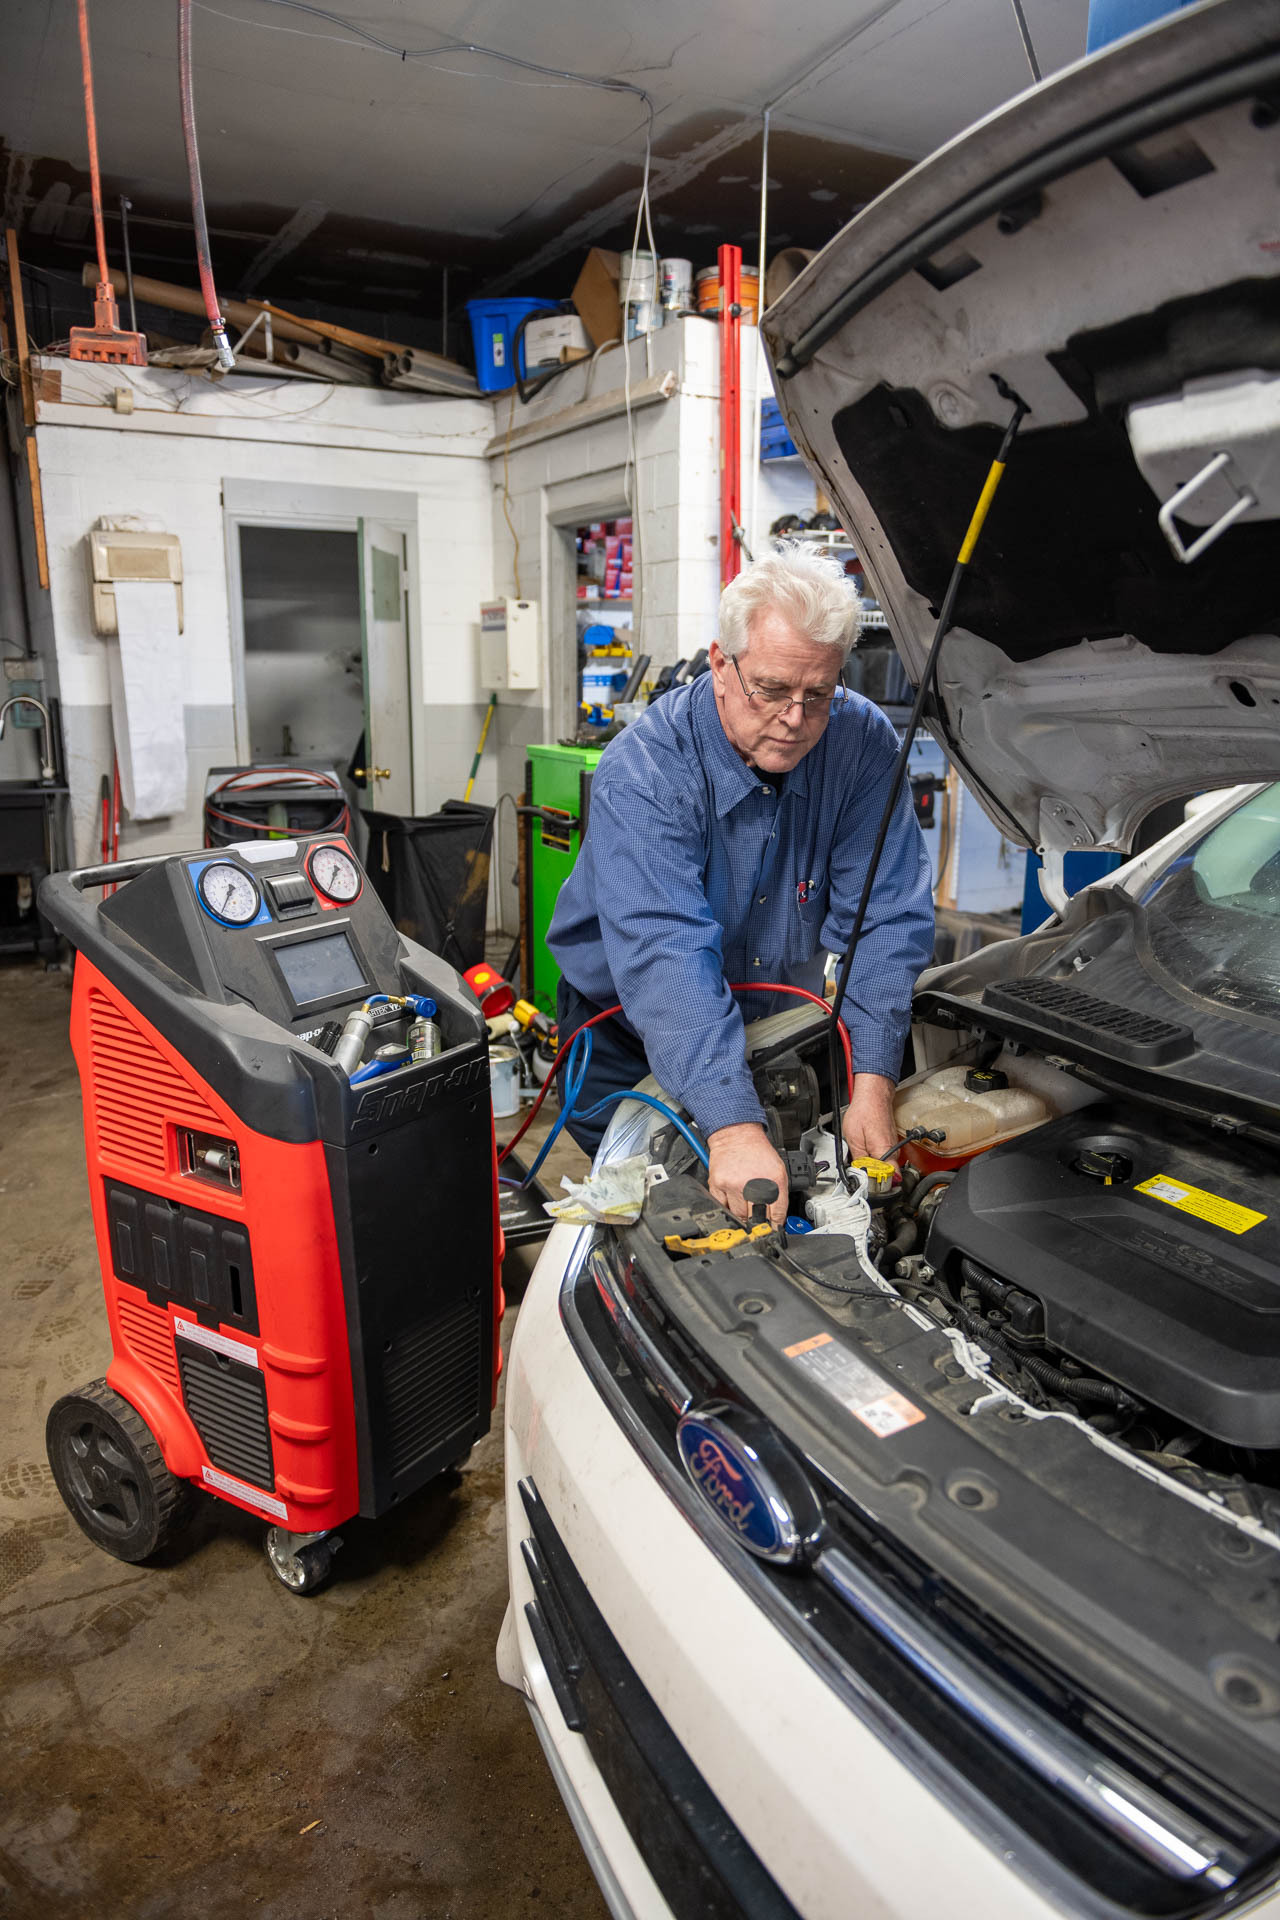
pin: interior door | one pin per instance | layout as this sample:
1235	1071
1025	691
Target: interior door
384	621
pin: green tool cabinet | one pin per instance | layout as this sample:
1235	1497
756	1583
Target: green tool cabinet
557	805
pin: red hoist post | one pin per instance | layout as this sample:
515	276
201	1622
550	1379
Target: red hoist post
730	412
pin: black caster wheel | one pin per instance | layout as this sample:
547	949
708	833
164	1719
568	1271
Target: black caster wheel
111	1473
300	1561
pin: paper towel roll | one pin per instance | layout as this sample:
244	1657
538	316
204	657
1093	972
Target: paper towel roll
146	699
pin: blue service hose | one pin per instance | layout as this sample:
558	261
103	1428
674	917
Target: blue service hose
575	1072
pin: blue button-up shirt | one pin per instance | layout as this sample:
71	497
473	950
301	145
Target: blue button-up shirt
698	872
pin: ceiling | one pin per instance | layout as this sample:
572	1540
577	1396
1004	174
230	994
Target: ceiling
340	176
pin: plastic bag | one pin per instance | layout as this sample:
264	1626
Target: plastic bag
613	1197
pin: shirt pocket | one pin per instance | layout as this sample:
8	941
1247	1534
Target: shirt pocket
804	924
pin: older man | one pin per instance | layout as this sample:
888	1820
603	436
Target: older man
729	837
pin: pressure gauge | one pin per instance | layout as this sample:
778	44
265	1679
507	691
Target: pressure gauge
229	893
334	873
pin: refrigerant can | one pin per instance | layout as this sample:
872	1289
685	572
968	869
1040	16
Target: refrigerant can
424	1040
676	284
349	1051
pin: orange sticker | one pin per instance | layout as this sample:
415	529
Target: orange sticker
858	1387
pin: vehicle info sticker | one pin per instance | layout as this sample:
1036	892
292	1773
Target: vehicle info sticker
1204	1205
855	1385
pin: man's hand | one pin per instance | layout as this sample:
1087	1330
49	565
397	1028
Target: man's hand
868	1119
739	1154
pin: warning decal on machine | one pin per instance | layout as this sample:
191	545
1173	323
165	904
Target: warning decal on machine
1205	1206
255	1496
855	1385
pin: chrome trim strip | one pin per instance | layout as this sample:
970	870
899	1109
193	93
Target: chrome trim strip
627	1326
1153	1827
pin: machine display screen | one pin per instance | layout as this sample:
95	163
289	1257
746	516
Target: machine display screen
314	969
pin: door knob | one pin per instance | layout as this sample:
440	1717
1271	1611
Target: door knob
371	773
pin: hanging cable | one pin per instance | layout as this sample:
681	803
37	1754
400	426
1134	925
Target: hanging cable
217	325
927	685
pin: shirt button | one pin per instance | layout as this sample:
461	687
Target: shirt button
756	961
763	897
766	789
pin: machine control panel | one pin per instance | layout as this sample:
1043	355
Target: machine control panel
288	926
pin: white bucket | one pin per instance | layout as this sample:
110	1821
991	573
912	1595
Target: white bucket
637	276
504	1081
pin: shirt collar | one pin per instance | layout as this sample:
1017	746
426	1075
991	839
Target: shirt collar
730	776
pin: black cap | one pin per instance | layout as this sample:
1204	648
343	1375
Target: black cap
1110	1168
985	1080
760	1195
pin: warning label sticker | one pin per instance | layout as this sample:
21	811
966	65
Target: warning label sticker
1204	1205
256	1496
855	1385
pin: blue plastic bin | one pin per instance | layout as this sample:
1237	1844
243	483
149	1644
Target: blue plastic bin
775	442
493	330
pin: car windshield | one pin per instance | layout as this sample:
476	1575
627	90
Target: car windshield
1213	920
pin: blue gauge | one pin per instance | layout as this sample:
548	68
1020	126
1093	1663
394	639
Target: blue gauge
229	893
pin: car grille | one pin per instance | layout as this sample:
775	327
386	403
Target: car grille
1088	1807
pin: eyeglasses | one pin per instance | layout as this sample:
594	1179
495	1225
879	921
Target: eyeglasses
778	700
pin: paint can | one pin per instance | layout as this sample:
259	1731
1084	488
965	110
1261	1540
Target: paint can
636	276
676	285
708	285
504	1081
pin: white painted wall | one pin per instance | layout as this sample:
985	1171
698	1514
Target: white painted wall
168	460
170	457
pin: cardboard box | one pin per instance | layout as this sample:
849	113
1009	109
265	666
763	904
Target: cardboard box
545	341
595	296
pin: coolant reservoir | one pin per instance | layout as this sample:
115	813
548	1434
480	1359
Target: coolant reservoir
975	1107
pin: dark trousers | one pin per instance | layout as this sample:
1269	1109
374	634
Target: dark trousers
617	1061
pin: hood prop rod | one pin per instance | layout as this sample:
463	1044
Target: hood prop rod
928	684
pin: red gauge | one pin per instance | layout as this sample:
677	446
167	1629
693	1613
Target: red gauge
334	874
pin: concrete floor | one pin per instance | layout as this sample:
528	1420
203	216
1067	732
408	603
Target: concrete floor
189	1738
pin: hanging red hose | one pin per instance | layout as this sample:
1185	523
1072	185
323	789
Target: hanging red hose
106	341
217	325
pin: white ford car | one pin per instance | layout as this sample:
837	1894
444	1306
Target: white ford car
929	1562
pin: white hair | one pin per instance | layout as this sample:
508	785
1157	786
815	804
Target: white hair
806	585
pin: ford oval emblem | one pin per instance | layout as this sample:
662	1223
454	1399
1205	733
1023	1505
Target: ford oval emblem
748	1497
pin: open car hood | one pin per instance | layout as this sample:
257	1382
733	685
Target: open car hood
1106	247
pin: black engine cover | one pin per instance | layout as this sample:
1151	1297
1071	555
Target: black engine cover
1179	1303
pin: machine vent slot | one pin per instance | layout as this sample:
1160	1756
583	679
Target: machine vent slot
1137	1037
228	1404
147	1334
136	1092
433	1385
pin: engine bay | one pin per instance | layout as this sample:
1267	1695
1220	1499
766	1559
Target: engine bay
1106	1260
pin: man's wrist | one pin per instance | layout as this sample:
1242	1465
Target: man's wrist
736	1130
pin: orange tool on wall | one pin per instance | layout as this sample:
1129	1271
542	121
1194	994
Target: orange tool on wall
106	341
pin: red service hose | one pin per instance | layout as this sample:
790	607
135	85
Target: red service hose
217	325
738	986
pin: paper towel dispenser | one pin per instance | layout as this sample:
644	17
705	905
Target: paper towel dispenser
120	554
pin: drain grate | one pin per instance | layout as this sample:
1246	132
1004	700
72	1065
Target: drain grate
1137	1037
